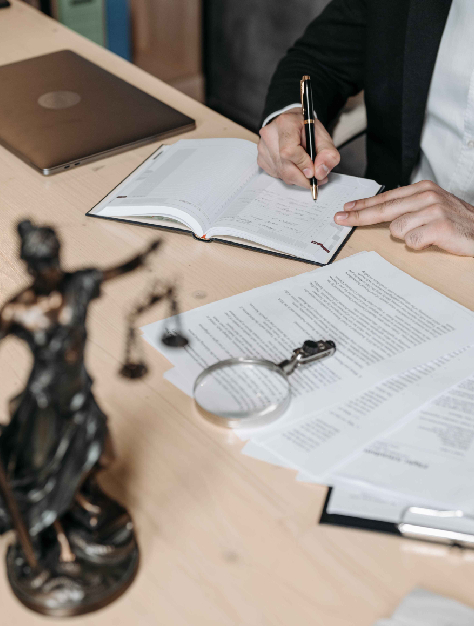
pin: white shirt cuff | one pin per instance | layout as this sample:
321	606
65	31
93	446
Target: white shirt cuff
277	113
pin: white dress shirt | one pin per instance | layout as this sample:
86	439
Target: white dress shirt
447	140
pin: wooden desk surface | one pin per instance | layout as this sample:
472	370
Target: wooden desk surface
226	540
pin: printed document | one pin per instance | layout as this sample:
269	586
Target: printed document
383	322
319	444
429	459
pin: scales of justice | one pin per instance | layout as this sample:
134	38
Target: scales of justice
75	549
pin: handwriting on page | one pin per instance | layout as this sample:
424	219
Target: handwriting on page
275	213
320	244
286	215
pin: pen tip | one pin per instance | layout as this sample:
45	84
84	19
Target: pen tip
314	191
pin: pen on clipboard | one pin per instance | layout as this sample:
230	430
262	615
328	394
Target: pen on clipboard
308	114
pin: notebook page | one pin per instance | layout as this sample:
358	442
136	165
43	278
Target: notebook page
193	180
286	218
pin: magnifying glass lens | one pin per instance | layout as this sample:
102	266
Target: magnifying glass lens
242	390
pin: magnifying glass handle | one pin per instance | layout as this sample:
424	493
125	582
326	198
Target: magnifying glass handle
309	352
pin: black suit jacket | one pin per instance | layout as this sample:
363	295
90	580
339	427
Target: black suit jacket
386	47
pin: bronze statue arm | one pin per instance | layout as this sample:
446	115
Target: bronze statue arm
134	263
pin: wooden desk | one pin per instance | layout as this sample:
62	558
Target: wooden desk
226	540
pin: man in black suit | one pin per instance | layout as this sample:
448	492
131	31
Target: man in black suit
414	62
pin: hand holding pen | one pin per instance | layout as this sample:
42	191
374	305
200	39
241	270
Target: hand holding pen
281	151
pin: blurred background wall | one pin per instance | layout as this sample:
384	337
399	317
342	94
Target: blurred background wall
167	41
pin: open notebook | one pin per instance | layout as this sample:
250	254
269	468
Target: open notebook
213	188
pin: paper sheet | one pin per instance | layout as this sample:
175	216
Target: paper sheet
366	503
318	445
382	320
342	444
428	459
174	376
262	454
424	608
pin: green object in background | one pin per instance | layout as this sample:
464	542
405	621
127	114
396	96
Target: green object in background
86	17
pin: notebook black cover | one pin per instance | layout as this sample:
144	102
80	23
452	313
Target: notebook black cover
361	523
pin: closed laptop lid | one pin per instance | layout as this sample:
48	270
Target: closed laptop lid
60	108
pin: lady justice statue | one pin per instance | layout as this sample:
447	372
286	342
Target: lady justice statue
76	549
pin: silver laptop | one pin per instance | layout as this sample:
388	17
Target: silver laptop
59	111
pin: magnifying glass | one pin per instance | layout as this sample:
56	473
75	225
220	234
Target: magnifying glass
243	393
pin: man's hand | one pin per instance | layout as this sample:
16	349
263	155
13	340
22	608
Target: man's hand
282	154
422	214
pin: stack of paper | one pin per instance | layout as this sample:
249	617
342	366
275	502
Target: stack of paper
389	419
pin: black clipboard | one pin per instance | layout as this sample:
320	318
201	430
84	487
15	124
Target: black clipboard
402	529
360	523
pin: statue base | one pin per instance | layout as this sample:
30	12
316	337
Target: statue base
86	560
68	589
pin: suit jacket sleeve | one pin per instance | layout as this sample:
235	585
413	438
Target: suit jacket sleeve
332	52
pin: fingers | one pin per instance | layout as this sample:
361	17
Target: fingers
409	221
268	156
327	154
436	233
388	196
291	149
448	224
389	206
296	166
422	237
264	159
445	234
281	151
402	192
422	214
288	172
